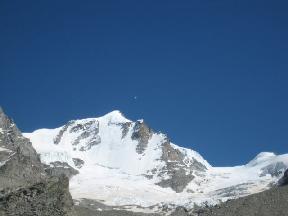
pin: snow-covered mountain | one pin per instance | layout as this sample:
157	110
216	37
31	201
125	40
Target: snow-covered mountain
126	163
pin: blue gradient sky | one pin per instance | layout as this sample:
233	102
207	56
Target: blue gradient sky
213	75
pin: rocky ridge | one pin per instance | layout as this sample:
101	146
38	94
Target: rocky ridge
25	186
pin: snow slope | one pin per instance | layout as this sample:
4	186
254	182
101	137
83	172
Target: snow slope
127	163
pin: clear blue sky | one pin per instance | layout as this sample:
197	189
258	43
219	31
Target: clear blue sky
213	75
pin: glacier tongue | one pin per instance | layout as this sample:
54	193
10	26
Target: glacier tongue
122	162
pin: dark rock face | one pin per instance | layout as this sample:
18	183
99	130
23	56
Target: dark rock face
78	162
284	180
180	172
25	187
142	133
49	197
180	211
169	153
125	128
20	164
20	170
274	169
178	181
62	131
88	131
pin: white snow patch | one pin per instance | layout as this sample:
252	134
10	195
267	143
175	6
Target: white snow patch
4	149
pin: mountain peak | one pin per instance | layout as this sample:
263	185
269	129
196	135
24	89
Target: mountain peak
116	116
5	121
261	157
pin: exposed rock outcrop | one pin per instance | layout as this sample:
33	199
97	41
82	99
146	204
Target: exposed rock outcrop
125	128
284	180
20	164
46	198
78	162
179	171
87	132
275	169
25	187
142	133
180	211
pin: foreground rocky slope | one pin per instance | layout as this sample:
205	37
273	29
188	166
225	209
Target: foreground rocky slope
19	162
25	187
84	211
45	198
